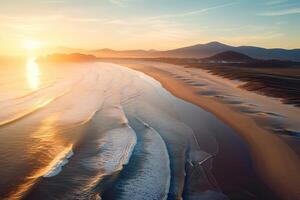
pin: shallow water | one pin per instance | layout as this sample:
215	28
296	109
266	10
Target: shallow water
99	130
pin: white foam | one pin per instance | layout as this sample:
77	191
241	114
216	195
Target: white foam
152	179
115	150
57	167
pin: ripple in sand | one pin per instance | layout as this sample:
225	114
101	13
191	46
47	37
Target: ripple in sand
208	93
285	131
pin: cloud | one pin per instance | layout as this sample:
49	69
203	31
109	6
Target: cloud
121	3
117	2
47	18
275	2
54	1
191	13
290	11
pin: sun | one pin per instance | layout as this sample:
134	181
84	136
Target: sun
31	44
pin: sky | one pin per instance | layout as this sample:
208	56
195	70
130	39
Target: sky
147	24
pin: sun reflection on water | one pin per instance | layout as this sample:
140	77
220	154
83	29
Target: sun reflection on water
33	73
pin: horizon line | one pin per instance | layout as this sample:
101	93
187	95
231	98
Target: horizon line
152	49
4	53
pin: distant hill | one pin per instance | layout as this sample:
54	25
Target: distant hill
269	54
74	57
195	51
233	58
198	51
108	53
212	48
230	56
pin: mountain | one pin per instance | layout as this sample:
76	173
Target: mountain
263	53
233	58
212	48
73	57
62	50
123	54
229	56
198	51
195	51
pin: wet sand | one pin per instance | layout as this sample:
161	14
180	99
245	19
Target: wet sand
275	162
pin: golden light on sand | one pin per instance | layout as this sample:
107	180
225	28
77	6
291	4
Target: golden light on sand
31	44
33	74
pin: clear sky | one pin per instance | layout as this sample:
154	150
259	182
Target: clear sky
148	24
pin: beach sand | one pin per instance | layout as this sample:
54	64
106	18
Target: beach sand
275	162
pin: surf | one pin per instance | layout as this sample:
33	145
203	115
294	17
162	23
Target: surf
148	174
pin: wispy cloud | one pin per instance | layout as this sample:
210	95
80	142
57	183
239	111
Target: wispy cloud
193	12
282	12
121	3
117	2
47	18
275	2
55	1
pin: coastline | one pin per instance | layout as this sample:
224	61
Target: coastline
278	166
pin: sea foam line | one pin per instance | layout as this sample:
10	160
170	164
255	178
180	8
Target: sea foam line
165	152
55	167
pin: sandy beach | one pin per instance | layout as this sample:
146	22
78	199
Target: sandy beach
278	166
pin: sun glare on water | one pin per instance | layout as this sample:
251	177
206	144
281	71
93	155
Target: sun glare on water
32	68
33	74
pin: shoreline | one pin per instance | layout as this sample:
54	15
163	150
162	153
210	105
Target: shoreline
278	166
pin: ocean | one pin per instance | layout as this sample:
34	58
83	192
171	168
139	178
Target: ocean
97	130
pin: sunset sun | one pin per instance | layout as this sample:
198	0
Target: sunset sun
31	44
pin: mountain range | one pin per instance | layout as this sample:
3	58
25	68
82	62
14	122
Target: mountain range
229	56
195	51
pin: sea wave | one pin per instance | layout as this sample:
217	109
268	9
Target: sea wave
58	163
20	108
114	150
148	174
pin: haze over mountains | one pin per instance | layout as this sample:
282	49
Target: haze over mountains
195	51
